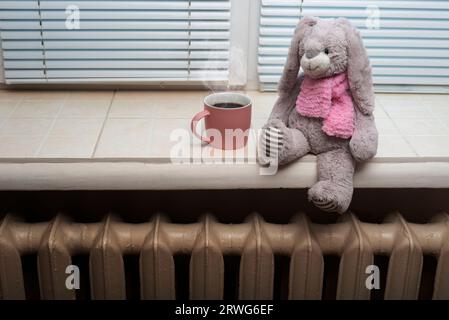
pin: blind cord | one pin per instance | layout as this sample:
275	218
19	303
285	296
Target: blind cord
44	54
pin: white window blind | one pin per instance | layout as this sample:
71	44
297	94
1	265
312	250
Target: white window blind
23	52
409	47
118	41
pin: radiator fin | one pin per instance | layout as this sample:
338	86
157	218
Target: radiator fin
53	259
206	265
157	267
106	265
357	256
256	265
404	271
11	278
441	287
306	265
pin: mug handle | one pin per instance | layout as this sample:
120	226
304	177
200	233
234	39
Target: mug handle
197	118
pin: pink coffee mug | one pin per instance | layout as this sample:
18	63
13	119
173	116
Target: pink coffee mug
227	118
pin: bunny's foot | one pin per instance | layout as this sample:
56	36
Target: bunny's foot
282	144
329	197
333	191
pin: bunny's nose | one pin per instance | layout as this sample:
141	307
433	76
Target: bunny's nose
312	53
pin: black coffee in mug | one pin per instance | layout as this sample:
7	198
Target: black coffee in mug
228	105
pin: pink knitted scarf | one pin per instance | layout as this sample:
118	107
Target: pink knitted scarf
330	100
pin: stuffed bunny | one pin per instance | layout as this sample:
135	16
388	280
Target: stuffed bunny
326	110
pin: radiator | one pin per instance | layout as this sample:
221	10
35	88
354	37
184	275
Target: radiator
156	244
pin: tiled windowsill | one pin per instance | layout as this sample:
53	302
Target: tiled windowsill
114	140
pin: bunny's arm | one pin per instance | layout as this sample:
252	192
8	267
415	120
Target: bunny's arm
363	144
285	103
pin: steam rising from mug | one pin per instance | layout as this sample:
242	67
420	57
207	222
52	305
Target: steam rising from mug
231	68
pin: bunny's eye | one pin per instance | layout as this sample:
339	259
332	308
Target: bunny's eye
326	51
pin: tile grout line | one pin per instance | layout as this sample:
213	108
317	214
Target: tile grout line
44	140
433	116
15	108
440	120
406	140
432	154
446	125
11	112
103	125
400	132
383	109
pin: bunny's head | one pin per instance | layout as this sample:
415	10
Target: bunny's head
326	47
322	50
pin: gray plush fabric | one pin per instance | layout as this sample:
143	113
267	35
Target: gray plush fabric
323	48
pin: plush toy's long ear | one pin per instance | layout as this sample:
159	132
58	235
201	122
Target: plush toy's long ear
359	69
292	65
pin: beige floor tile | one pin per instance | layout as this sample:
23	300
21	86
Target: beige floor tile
90	95
7	107
438	104
410	111
386	126
19	146
184	108
404	106
49	95
394	146
125	138
37	109
26	127
176	96
180	111
68	147
257	123
398	98
14	95
133	95
152	95
178	104
445	121
439	111
172	138
423	126
132	109
435	99
83	108
77	127
430	146
379	112
263	103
